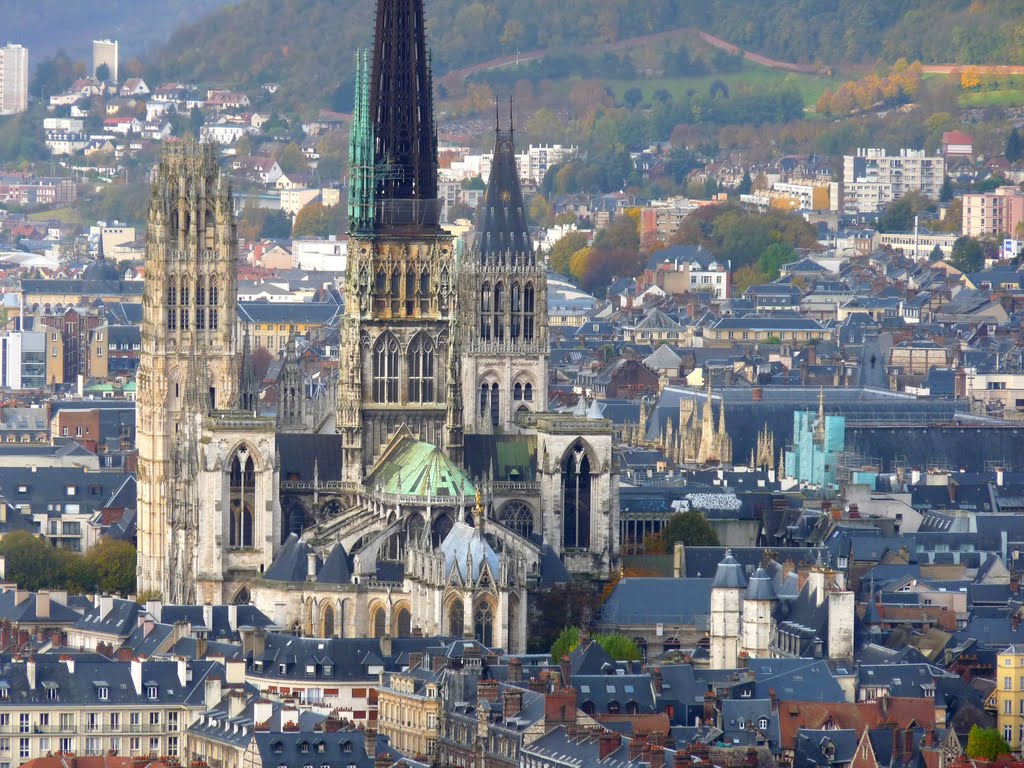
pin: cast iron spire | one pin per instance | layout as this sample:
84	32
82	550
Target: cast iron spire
402	112
504	231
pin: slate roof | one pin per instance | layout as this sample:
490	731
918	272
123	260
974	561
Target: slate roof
466	548
729	574
220	618
336	568
120	619
301	452
510	457
411	467
502	224
625	690
795	679
26	612
288	312
651	600
291	563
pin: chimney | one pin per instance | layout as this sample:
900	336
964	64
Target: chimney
236	703
773	699
635	748
147	626
290	717
123	654
234	671
656	679
212	691
201	647
3	568
385	646
30	671
560	708
515	670
1014	583
253	641
415	659
1000	474
42	603
757	394
181	630
311	566
512	700
208	617
233	618
681	760
155	609
182	671
136	672
608	742
709	708
70	662
657	757
487	690
437	662
262	711
106	605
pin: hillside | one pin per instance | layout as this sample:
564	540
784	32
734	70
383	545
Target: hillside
46	26
307	45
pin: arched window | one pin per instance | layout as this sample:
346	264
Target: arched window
486	311
576	498
380	622
380	290
396	292
185	301
172	303
200	303
483	624
517	312
403	623
424	292
484	397
528	308
517	391
499	312
528	392
385	369
327	622
421	369
214	299
518	517
243	499
495	405
456	618
410	292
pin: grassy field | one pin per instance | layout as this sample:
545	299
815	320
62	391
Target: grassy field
752	76
1001	98
67	215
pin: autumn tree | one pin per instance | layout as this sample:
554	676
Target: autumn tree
986	744
563	249
291	159
690	528
316	220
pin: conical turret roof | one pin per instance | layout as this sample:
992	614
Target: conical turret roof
729	574
504	230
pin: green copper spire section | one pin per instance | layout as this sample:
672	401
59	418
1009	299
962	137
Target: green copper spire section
362	184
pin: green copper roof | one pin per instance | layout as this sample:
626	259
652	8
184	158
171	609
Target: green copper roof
413	468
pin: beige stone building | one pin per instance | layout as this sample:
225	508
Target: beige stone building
991	214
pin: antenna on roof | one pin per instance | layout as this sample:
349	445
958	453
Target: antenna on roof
510	128
497	117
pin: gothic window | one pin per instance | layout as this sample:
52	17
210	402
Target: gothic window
243	499
421	369
483	624
185	300
396	292
403	623
517	391
200	303
172	304
495	405
410	292
385	369
528	392
455	618
380	290
499	312
518	517
214	297
484	397
424	292
517	312
528	308
380	622
486	312
576	498
327	622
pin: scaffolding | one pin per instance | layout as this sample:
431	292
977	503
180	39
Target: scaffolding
855	461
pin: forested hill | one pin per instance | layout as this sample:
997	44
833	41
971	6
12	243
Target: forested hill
46	26
307	45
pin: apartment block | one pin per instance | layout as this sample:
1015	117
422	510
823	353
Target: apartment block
105	52
872	178
1000	212
13	79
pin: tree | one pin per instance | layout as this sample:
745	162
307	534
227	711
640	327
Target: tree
898	217
563	250
773	257
946	193
936	254
540	211
103	73
618	646
968	254
746	184
986	744
314	220
632	97
690	528
567	642
114	563
1014	146
292	160
31	562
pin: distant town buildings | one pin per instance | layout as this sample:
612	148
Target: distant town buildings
989	214
13	79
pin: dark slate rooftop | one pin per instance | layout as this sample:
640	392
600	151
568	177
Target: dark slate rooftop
642	600
300	453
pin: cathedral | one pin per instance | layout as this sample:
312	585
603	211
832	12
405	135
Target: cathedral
438	489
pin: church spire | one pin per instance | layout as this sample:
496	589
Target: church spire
402	112
504	231
248	385
360	155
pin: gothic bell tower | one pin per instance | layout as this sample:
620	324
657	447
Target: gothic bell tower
503	300
188	321
399	347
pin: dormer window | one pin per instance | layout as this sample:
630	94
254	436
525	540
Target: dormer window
311	670
257	666
328	670
282	668
151	692
102	693
72	490
763	723
51	690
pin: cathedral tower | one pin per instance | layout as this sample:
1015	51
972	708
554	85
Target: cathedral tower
187	343
503	297
400	360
